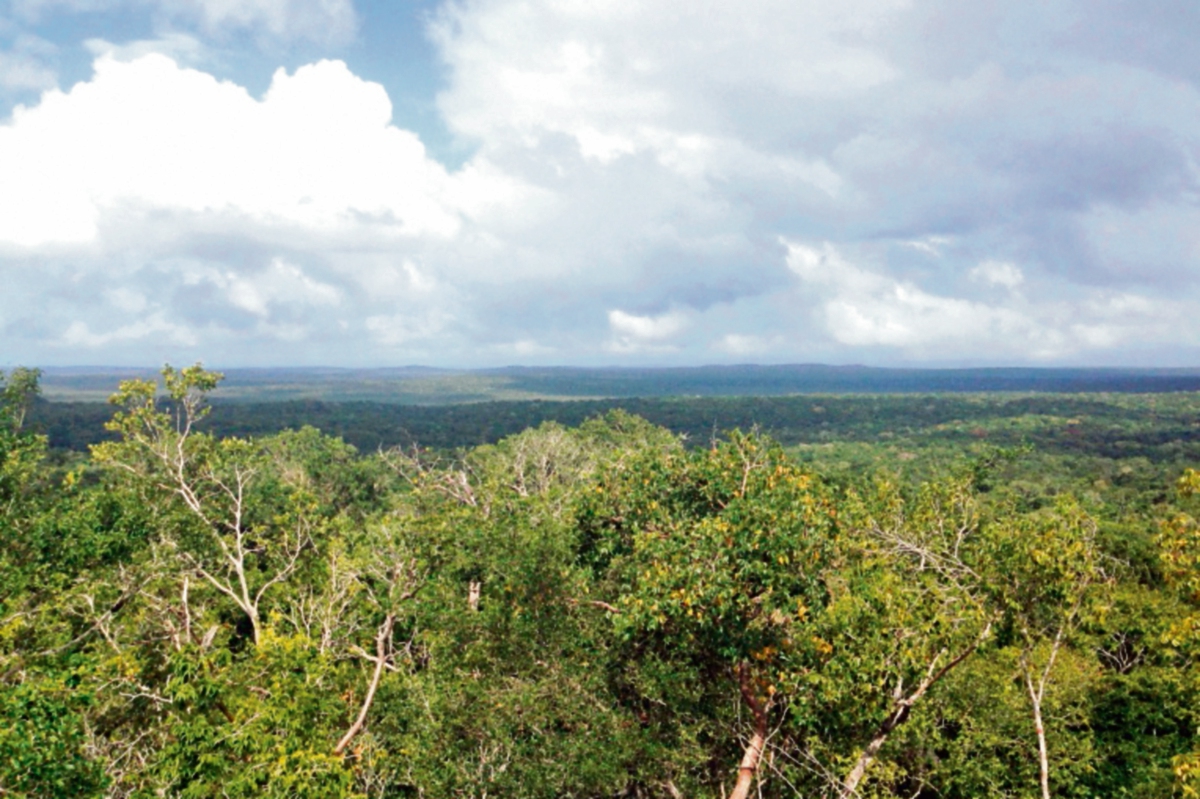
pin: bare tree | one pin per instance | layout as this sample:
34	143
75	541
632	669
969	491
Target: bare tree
212	480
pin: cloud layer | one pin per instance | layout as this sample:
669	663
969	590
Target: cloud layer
670	182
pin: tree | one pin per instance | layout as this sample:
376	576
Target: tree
912	609
242	541
21	495
502	681
1048	576
20	452
1179	540
718	562
20	389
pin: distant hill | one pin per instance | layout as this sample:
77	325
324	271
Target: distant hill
415	385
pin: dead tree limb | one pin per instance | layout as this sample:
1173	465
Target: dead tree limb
382	639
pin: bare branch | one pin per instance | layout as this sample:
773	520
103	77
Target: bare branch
382	638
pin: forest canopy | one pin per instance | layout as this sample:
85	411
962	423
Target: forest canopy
591	611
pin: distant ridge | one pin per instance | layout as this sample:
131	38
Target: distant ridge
422	385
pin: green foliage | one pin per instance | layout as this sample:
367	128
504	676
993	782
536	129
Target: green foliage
604	610
42	742
252	728
21	482
718	552
1179	540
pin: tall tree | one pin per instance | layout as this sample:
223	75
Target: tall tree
1049	579
242	542
718	562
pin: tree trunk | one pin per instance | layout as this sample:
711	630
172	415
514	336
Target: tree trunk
1037	693
750	760
749	765
1035	700
252	614
381	642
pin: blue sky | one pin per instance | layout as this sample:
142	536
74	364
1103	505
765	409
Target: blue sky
486	182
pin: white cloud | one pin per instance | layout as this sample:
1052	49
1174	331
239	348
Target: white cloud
864	308
282	283
181	48
394	330
126	300
741	344
632	333
986	200
321	20
930	245
78	334
24	68
606	76
523	348
905	316
999	273
22	72
387	281
646	328
317	152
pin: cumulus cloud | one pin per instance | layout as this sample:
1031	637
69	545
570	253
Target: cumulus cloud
605	76
863	308
80	335
180	197
148	136
281	283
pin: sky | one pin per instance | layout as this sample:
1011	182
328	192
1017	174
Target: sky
477	183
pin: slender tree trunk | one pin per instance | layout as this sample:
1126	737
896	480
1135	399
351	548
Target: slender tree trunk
1035	700
381	642
1037	693
753	754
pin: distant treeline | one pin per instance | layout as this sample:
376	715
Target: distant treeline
1156	426
753	379
418	386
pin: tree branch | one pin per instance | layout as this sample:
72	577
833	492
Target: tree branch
381	640
749	765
